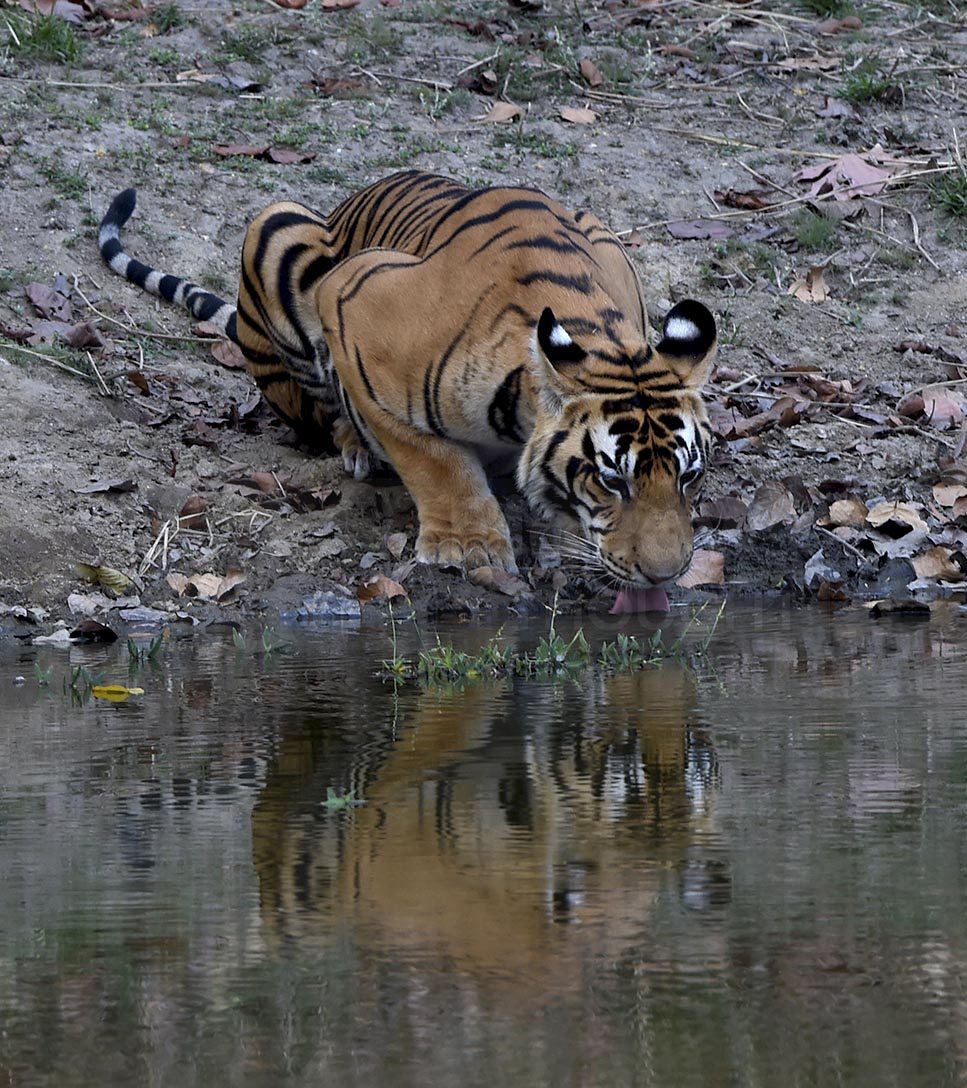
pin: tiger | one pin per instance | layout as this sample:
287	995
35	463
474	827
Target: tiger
437	329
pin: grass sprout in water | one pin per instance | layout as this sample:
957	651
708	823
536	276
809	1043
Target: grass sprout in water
442	663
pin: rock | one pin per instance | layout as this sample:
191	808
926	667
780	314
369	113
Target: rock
326	605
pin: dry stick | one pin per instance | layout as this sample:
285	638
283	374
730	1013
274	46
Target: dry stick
839	540
478	64
47	359
436	84
757	116
766	180
815	198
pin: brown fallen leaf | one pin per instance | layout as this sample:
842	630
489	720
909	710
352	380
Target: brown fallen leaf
836	26
208	586
294	4
192	513
333	86
851	175
499	580
578	115
591	73
941	564
229	354
944	408
707	568
947	495
772	505
49	302
380	586
700	228
727	512
786	412
502	113
845	512
752	199
395	544
812	288
338	5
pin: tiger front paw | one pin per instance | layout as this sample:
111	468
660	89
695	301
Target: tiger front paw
447	548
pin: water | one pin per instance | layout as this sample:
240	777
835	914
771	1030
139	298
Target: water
751	876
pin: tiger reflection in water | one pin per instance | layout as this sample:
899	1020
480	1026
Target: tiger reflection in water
497	846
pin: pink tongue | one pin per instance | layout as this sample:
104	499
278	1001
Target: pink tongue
652	599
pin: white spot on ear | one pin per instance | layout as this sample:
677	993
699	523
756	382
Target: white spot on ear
680	328
559	337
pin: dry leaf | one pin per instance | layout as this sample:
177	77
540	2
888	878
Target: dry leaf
229	354
380	586
947	495
192	514
395	543
773	505
941	564
501	113
752	199
107	577
851	175
578	115
812	288
700	228
338	5
707	568
834	26
898	529
591	73
845	512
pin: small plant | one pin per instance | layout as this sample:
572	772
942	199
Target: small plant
950	188
336	801
69	184
869	82
141	655
43	675
45	37
168	17
814	232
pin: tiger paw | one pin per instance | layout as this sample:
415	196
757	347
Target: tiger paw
356	458
470	550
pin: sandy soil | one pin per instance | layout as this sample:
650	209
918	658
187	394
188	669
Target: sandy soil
693	103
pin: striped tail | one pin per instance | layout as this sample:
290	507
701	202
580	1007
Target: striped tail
201	304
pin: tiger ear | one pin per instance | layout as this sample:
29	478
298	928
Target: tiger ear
554	352
688	342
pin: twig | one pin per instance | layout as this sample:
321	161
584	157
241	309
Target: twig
47	359
845	543
916	240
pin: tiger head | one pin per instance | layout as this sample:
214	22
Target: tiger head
621	438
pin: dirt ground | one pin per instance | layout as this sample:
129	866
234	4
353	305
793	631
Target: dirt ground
841	296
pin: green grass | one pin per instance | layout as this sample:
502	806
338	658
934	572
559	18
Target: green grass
44	37
68	184
869	82
950	190
168	17
441	664
814	232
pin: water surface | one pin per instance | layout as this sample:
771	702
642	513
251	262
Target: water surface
752	874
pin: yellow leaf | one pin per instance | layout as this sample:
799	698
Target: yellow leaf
114	693
104	576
